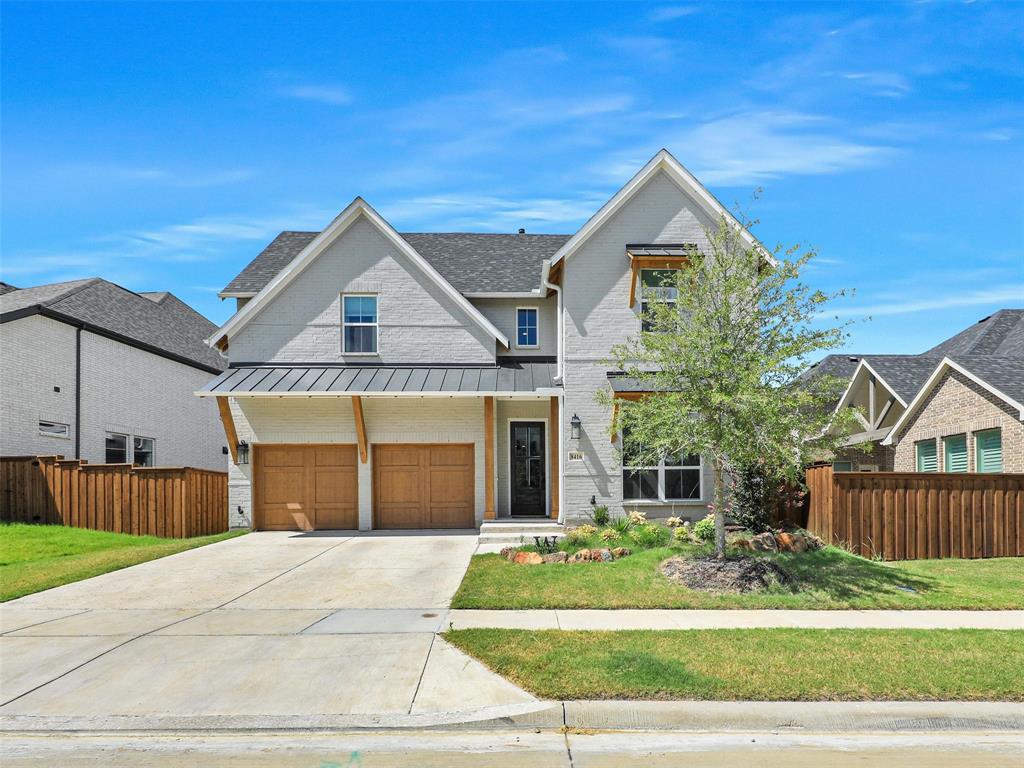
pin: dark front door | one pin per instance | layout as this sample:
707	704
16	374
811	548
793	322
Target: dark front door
528	468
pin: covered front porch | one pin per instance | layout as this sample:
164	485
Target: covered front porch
391	448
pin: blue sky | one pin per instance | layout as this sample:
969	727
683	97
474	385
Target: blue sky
162	146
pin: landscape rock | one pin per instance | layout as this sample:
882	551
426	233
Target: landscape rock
742	544
602	555
764	542
509	553
784	541
621	552
528	558
814	543
579	557
556	557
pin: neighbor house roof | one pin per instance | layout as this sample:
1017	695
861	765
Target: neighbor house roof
472	262
507	377
6	288
1000	334
158	322
903	374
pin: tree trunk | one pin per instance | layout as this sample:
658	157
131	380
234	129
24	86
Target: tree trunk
719	511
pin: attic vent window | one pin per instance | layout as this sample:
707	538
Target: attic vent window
54	429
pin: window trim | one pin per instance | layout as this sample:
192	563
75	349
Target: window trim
661	468
643	301
66	435
127	447
375	325
917	455
977	453
152	451
536	315
945	453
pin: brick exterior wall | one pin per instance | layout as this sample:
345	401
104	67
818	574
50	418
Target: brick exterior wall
882	455
124	390
956	405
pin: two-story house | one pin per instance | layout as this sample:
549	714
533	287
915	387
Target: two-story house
435	380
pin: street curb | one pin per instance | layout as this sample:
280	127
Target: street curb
688	716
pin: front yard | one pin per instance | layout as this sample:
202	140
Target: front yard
756	665
38	557
826	579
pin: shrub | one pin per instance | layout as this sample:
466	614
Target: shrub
636	517
600	515
651	536
620	525
755	493
704	529
609	533
674	522
682	533
580	533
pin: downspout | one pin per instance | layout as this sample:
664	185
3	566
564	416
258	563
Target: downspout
78	392
544	275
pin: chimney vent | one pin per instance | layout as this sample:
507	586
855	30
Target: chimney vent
522	231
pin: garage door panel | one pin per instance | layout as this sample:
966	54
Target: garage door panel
423	486
306	487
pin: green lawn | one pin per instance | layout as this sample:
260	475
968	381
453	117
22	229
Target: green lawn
756	664
828	579
38	557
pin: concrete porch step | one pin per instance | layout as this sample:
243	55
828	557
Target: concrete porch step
496	534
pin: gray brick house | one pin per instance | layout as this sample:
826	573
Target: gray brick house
955	408
92	370
425	380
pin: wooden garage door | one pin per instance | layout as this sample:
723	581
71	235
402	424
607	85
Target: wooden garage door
306	487
423	486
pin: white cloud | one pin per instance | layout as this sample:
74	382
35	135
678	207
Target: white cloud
113	173
998	134
1002	294
888	84
672	12
491	213
333	95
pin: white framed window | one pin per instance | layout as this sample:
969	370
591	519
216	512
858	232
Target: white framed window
359	324
116	448
842	466
54	429
674	478
659	285
526	328
143	451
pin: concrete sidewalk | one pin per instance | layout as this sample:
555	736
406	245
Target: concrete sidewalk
734	619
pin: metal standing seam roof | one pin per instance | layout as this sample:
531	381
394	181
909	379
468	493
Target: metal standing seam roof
510	376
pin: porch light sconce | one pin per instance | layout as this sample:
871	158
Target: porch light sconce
243	452
576	425
593	501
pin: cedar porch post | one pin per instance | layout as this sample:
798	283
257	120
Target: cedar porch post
229	427
556	455
357	413
489	513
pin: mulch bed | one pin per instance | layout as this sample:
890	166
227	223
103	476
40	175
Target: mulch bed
735	574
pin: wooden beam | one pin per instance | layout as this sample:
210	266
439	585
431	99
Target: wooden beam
634	275
556	457
885	411
357	411
615	415
229	427
489	511
872	412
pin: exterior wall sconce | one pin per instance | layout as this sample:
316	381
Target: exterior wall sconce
243	452
576	425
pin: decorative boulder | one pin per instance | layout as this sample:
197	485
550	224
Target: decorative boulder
784	542
621	552
509	553
582	556
528	558
555	557
814	543
764	542
741	544
602	555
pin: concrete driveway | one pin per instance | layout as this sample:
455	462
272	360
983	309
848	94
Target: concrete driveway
269	629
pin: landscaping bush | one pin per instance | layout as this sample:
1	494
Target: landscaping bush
620	525
704	529
682	533
580	534
601	516
650	536
755	493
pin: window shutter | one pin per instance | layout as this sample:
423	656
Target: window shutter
989	451
956	453
927	460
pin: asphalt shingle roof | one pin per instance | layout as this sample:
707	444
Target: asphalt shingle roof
471	262
906	374
157	319
1000	335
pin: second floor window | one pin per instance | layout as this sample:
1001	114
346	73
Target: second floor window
656	285
359	325
526	327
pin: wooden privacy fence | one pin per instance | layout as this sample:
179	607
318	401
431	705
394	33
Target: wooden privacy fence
917	516
173	502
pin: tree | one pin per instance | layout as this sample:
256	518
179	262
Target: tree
723	345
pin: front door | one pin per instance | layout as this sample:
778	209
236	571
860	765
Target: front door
528	468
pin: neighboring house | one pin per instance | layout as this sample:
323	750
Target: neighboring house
94	371
386	380
954	408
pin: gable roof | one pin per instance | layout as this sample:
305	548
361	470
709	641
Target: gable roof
158	322
1001	334
320	242
902	374
472	262
6	288
1002	376
663	161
